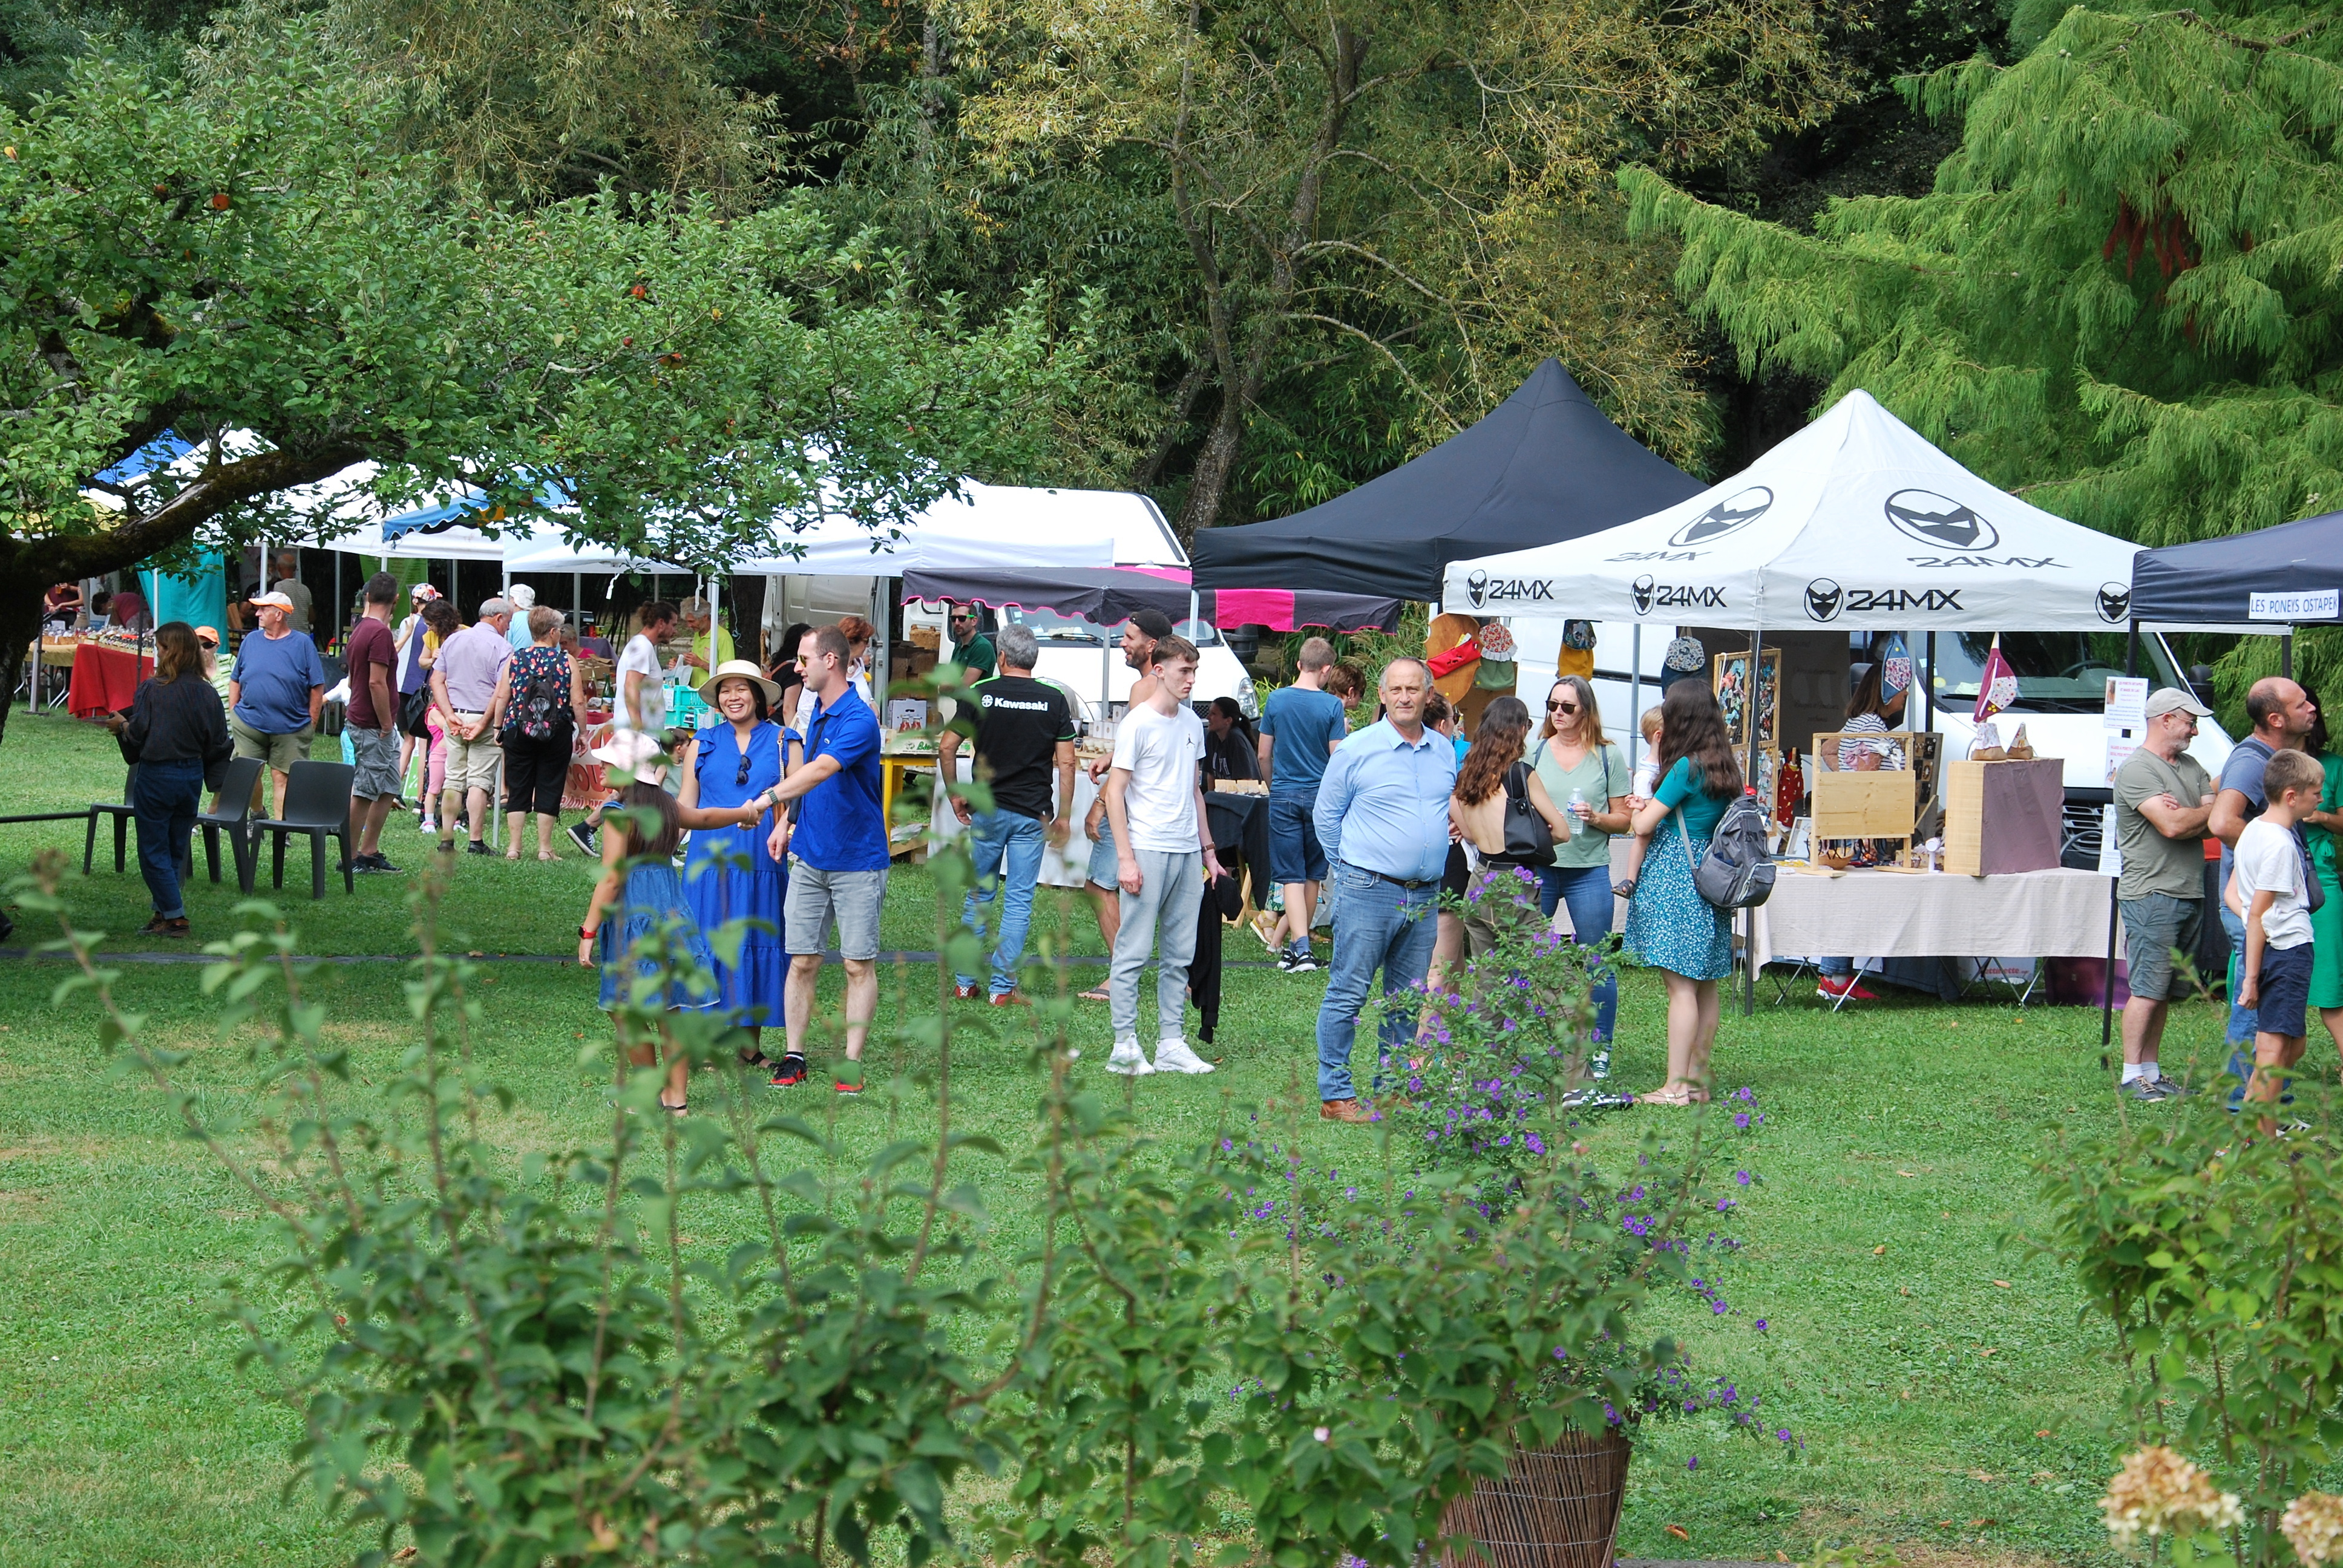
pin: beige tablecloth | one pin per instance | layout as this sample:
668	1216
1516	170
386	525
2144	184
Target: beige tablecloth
1885	914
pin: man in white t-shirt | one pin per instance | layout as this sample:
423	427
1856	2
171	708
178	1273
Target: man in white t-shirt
642	690
2272	890
1163	852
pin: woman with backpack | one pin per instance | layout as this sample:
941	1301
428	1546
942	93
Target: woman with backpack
1589	778
1669	925
1498	808
542	695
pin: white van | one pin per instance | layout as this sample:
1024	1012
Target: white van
2061	695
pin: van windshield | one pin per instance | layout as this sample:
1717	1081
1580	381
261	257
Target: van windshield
1060	630
2058	671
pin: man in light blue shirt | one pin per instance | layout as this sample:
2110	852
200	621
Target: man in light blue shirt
1383	815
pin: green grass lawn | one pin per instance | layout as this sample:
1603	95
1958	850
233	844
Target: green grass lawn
1894	1163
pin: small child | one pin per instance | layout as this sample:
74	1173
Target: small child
2275	894
1640	785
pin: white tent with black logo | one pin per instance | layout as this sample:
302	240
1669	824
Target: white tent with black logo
1855	523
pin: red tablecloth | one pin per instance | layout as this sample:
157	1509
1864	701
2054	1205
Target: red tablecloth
104	679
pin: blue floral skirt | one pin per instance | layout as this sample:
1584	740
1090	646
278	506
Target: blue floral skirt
654	900
1669	925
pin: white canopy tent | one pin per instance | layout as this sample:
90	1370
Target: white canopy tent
1855	522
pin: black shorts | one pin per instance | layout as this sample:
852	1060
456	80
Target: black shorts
2282	990
1455	875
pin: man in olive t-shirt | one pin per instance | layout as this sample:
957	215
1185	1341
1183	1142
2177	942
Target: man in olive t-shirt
2164	797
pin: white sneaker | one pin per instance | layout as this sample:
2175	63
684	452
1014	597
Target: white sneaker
1173	1056
1128	1060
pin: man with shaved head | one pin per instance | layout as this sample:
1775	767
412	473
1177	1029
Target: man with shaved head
1381	814
2281	713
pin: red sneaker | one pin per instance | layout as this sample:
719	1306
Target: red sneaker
1843	987
966	992
790	1073
849	1090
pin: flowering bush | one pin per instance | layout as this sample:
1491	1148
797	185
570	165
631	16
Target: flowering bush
2213	1255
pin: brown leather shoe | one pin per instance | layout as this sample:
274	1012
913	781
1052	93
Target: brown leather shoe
1344	1110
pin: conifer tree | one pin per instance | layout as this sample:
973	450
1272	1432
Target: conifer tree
2121	298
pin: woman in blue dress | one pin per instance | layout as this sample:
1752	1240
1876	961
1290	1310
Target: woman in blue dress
729	874
639	894
1669	925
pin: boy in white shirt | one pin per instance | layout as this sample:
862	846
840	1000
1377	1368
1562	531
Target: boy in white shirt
2272	890
1164	851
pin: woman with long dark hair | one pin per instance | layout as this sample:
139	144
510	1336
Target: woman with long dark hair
1876	706
639	894
176	734
1669	925
1492	776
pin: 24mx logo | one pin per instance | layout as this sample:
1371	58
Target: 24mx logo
1825	600
1482	589
1648	594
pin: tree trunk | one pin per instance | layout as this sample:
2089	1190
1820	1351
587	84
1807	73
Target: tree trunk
21	594
1216	464
1150	468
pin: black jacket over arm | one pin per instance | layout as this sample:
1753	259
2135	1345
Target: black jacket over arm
180	720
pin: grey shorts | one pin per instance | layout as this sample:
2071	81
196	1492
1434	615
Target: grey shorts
1103	870
847	899
2155	924
376	752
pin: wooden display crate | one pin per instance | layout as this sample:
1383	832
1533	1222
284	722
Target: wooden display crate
1864	805
2002	817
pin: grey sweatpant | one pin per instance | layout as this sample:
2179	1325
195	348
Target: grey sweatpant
1171	891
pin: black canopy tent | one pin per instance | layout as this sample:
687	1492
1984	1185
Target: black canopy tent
1112	595
2265	583
1544	466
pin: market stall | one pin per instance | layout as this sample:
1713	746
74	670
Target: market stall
1856	524
105	675
1545	465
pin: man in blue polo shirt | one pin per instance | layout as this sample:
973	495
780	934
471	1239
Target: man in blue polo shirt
838	855
1382	815
274	693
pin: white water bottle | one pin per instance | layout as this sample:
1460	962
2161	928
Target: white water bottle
1578	804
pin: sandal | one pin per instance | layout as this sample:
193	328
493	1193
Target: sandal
1096	993
1677	1092
675	1109
548	855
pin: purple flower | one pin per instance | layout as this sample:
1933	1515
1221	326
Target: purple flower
1761	1325
1693	1464
1742	1177
1783	1434
1741	1120
1722	1204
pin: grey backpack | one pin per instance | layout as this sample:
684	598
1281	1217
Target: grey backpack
1737	872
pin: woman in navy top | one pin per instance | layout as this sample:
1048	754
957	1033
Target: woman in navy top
729	874
1669	925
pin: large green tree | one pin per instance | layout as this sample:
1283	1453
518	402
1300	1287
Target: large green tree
258	253
2121	296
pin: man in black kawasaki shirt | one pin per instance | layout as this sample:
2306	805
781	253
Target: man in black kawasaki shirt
1023	729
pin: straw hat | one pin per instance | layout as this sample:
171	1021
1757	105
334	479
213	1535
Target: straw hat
741	669
634	752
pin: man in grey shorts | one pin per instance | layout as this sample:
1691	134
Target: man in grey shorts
2164	798
838	858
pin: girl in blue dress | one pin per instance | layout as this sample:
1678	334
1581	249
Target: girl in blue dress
728	872
1669	925
639	892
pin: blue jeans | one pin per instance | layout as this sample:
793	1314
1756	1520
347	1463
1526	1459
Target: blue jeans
2243	1024
1587	890
1007	849
164	800
1384	926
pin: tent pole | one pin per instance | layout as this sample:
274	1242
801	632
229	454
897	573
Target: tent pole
1749	777
2285	652
2108	985
715	617
1929	690
1634	693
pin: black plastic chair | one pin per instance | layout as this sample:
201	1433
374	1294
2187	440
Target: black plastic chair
122	811
235	816
318	804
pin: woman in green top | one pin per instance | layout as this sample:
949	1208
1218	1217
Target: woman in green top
1587	777
1670	926
2319	831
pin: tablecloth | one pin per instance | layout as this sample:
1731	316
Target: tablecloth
2057	913
104	679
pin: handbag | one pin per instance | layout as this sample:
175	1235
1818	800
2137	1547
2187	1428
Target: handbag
414	709
1529	839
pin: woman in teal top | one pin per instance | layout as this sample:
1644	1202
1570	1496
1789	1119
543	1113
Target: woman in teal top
1669	925
1586	776
2318	830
